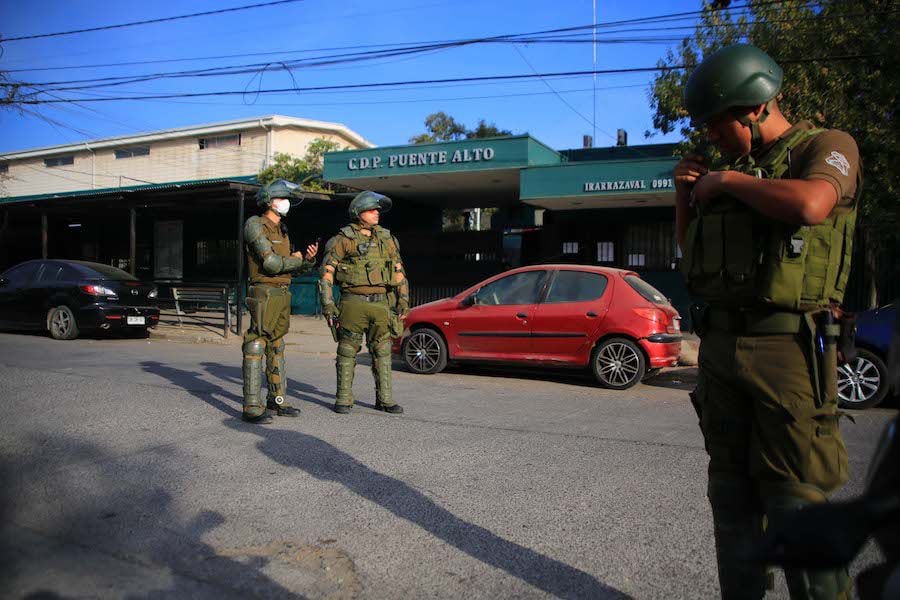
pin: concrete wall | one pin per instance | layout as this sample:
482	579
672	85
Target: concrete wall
179	159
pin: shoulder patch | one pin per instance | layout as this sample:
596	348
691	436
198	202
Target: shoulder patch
839	162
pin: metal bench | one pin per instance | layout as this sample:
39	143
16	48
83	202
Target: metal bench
204	296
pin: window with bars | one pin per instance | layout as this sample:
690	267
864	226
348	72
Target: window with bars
220	141
606	252
4	167
650	245
570	247
132	152
59	161
216	255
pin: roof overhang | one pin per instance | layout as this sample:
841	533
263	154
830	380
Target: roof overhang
478	172
276	121
600	184
246	184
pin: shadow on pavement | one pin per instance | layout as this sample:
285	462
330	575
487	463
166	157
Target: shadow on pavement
111	524
681	378
324	461
295	389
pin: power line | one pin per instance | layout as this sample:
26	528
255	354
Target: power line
650	19
409	83
148	21
394	51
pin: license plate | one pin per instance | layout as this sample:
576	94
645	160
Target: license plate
135	320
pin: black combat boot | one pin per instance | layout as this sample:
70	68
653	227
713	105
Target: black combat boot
263	419
281	409
394	409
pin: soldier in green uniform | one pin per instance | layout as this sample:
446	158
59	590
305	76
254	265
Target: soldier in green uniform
767	244
364	260
271	264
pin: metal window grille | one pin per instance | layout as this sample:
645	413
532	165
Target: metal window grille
650	246
132	152
59	161
606	252
220	141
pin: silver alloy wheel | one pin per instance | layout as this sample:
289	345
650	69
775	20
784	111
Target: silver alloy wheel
62	322
617	363
858	383
422	351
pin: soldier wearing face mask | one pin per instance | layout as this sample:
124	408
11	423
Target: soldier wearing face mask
271	265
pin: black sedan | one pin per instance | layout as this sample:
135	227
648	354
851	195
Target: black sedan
66	297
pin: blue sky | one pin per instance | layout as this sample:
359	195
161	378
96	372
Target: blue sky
556	111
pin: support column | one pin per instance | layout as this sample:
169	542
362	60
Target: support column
132	241
44	234
239	290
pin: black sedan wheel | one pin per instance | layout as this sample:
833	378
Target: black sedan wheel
61	322
425	352
862	383
618	364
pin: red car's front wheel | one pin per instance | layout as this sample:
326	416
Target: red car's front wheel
424	352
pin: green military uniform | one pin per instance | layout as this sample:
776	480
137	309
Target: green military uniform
270	266
766	394
365	267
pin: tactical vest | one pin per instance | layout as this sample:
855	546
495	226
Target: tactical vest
737	257
369	262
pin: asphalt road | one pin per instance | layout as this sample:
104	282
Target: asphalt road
127	473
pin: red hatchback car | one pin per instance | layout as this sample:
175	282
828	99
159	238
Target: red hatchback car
609	320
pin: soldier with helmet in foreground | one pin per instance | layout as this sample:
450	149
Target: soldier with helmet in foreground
271	265
364	260
767	243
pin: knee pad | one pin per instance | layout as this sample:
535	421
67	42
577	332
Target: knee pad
349	343
255	347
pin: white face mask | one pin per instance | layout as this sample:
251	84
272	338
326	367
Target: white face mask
282	206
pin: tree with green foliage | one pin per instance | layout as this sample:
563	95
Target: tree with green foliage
840	71
486	130
441	127
305	170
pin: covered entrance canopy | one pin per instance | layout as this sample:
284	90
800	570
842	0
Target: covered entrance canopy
607	184
478	172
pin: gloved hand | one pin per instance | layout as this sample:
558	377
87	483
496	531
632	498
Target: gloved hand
403	308
330	311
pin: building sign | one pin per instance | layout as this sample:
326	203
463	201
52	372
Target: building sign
420	159
630	184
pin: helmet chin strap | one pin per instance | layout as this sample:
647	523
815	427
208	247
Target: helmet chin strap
755	134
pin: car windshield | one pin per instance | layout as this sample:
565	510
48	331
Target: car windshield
647	291
106	272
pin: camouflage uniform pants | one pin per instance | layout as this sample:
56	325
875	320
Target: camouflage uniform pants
773	446
270	313
360	318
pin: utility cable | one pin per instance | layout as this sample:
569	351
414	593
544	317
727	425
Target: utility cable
148	21
419	82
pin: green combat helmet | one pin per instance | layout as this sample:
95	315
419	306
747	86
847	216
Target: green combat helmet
367	201
737	75
280	188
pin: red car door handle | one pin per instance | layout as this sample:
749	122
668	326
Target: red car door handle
521	315
591	313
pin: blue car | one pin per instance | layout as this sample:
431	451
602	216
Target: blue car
864	383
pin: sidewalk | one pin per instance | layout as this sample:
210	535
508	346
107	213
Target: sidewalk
310	335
